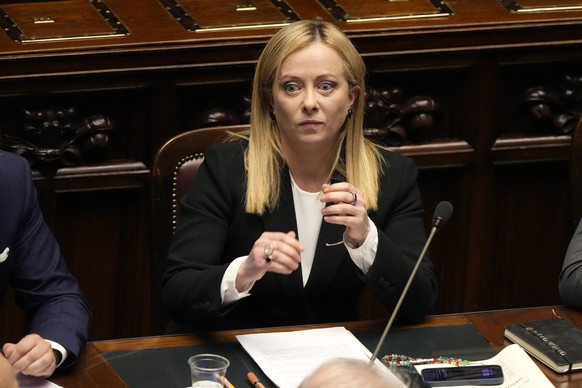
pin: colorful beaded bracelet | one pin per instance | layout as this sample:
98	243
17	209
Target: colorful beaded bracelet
400	360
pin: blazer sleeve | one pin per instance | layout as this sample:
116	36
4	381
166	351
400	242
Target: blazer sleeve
401	238
44	288
197	259
570	280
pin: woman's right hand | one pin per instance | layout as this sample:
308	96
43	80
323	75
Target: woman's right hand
284	258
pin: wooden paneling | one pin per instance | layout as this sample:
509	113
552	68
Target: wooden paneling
481	97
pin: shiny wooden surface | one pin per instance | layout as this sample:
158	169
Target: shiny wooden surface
93	369
151	26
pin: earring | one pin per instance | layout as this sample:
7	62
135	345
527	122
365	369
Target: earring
272	115
350	113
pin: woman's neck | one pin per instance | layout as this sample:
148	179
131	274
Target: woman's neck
310	172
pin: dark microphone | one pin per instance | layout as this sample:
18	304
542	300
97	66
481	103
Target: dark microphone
442	213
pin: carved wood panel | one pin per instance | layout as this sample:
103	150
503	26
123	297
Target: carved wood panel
51	21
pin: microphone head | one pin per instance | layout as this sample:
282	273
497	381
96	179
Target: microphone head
442	213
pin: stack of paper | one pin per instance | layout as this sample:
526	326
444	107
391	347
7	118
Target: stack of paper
288	357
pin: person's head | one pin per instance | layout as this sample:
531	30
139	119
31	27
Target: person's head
305	50
283	51
349	373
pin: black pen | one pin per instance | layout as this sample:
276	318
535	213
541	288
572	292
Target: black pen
254	380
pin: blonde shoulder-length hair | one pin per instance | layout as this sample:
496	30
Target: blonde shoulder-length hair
357	158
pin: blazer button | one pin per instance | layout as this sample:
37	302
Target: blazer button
385	285
200	306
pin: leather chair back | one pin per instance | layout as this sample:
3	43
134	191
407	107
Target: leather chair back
174	170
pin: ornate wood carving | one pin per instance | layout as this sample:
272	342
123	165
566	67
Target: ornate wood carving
554	110
394	121
390	118
53	22
221	116
53	138
230	15
523	6
378	10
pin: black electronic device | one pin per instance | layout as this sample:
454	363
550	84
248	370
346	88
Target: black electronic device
462	375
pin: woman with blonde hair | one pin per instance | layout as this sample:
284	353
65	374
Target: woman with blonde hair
289	224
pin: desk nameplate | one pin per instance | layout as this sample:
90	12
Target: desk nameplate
46	21
204	16
356	11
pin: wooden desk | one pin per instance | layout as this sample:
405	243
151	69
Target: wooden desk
94	371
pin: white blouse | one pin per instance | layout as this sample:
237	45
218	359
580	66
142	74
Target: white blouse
308	214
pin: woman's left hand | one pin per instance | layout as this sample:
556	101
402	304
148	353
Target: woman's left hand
346	206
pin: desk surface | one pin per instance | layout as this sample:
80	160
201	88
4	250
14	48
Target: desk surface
93	369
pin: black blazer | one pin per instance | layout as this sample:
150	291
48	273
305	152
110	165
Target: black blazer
213	229
43	286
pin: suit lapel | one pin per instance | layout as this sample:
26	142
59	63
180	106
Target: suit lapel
283	219
327	260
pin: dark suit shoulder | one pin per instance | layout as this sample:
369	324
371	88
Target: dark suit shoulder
223	170
394	157
233	148
397	166
13	165
16	186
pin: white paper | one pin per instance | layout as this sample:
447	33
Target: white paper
519	369
25	381
288	357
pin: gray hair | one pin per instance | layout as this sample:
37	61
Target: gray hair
349	373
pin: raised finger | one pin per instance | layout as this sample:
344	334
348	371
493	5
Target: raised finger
42	366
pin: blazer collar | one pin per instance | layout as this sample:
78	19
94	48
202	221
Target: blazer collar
324	267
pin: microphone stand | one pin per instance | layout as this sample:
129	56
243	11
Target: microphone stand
403	295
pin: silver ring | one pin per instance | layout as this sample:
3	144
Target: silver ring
268	254
354	200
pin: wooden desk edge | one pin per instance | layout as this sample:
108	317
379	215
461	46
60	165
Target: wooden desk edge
230	336
491	324
91	371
